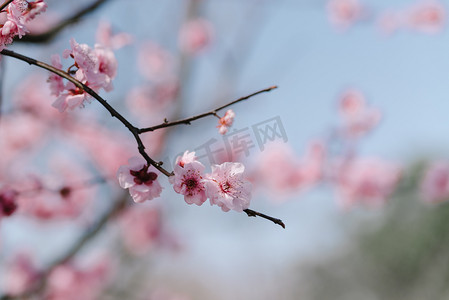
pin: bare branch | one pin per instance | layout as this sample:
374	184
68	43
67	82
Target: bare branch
55	30
210	113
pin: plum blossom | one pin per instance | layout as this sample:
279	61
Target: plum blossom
358	117
435	183
141	228
195	36
227	188
366	181
426	16
226	122
344	13
21	274
95	68
106	37
281	171
18	13
188	179
140	179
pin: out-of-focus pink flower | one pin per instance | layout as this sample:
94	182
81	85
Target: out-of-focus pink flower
141	228
225	122
8	202
195	36
358	117
435	183
154	62
188	179
140	179
344	13
61	196
281	171
227	188
427	16
366	181
106	37
390	21
67	282
21	275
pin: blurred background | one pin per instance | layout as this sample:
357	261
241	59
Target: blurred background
350	151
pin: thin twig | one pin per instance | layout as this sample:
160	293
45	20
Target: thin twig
210	113
103	102
134	130
253	213
55	30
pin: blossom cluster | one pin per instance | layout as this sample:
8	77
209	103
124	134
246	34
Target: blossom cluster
18	14
225	186
93	67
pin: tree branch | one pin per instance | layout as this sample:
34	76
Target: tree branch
210	113
55	30
5	4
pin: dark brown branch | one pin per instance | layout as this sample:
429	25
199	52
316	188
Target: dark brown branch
210	113
104	103
253	213
135	131
55	30
5	4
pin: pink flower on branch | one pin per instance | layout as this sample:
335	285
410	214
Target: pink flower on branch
140	179
188	179
227	188
95	68
226	122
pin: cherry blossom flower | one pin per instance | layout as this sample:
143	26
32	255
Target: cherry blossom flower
108	39
188	179
281	171
367	181
195	36
435	183
227	188
226	122
426	16
69	282
141	228
154	62
344	13
96	69
21	275
358	117
140	179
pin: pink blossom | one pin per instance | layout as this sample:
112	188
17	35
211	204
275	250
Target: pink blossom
195	36
427	16
140	179
281	171
366	181
358	117
68	282
344	13
186	158
55	81
141	228
225	122
106	37
154	62
21	275
435	183
227	188
188	179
